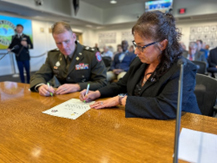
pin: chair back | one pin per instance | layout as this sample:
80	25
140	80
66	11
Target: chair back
201	67
107	61
205	91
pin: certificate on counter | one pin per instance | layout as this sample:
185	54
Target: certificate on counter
71	109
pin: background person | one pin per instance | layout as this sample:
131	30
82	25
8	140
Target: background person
193	54
22	52
121	63
151	84
73	65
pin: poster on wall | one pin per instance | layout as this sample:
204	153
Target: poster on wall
208	34
107	38
128	36
8	26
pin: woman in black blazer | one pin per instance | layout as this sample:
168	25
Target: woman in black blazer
150	87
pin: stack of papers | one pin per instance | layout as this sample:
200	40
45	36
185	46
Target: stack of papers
195	146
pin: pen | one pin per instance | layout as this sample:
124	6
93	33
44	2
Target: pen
48	88
88	86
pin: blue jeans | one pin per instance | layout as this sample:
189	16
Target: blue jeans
21	65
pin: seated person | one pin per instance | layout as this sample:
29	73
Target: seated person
193	54
119	50
131	49
107	52
212	59
200	48
121	63
73	65
150	86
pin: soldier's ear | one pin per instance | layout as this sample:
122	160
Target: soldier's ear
74	36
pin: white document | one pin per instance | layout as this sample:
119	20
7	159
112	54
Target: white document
71	109
198	147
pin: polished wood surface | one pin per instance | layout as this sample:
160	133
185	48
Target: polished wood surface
99	136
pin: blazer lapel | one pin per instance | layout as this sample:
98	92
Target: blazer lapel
148	83
134	81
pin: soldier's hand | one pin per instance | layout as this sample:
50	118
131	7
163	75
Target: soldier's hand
44	90
67	88
24	43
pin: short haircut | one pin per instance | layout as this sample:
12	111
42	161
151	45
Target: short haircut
193	44
200	41
19	25
60	27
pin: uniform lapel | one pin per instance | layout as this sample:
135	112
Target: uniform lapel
76	58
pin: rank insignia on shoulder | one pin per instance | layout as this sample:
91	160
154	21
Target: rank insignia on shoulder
87	48
98	56
92	49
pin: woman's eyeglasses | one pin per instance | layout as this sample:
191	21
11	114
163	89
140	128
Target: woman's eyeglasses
141	48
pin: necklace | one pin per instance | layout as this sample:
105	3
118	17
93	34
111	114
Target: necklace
145	78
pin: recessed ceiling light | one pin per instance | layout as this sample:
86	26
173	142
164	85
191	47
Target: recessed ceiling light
113	1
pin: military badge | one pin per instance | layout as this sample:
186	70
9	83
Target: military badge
57	63
81	66
98	56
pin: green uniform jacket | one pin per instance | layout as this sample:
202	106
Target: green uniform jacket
86	67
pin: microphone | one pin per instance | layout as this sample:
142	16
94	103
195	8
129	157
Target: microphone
15	47
181	62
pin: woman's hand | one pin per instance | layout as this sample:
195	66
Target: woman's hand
111	102
92	95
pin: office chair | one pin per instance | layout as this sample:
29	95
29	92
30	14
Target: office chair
107	61
201	67
205	91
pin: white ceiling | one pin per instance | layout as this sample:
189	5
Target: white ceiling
22	11
103	4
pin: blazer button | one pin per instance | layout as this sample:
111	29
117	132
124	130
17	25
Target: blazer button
82	76
68	78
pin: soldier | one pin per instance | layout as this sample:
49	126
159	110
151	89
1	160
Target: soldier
20	45
73	65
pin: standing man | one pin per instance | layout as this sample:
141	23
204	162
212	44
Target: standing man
73	66
23	44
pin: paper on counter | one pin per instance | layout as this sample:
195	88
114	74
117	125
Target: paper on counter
71	109
198	147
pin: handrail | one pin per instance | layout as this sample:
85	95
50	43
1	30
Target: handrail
30	56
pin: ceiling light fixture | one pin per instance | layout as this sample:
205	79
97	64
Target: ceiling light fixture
113	1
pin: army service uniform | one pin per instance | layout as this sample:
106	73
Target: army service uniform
86	67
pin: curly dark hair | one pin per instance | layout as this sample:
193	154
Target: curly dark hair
159	26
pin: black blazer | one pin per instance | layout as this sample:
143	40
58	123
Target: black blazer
22	53
158	98
212	59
